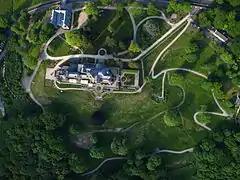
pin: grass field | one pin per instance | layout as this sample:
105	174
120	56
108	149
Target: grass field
173	57
59	47
144	39
152	55
20	4
5	7
123	110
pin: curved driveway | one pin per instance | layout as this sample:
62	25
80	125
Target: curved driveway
45	55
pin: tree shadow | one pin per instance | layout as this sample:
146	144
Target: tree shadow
103	113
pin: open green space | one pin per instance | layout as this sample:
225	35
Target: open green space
142	108
6	7
153	54
60	140
59	47
150	31
109	30
20	4
175	56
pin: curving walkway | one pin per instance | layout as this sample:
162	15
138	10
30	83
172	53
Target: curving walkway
133	24
223	114
45	55
168	46
115	130
164	72
156	151
102	163
28	86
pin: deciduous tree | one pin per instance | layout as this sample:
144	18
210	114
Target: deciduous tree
96	153
152	10
171	118
91	9
134	47
136	9
118	146
153	162
76	163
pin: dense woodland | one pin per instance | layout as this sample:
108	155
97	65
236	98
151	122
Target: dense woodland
35	144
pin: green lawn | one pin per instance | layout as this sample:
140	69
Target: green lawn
5	7
173	57
20	4
144	39
122	31
59	47
123	110
152	55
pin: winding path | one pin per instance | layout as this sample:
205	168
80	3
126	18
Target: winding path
156	151
102	163
168	46
45	55
115	130
28	86
223	114
133	24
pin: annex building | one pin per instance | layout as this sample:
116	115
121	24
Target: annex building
61	18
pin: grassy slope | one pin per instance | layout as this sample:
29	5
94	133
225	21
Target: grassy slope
59	47
19	4
150	58
5	7
123	110
143	43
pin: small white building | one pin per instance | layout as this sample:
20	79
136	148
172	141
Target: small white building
62	18
218	35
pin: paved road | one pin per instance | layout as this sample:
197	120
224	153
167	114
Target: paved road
204	3
43	6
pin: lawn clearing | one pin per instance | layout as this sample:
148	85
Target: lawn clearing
150	31
6	7
174	56
59	47
152	55
21	4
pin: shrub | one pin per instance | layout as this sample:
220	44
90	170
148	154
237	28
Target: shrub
134	47
119	147
96	153
171	119
152	28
